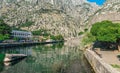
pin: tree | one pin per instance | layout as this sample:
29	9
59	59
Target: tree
5	30
57	37
106	31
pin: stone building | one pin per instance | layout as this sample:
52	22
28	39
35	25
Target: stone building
24	35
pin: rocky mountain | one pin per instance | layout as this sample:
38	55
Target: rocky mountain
109	11
66	17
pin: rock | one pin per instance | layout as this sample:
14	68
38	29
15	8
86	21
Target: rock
65	17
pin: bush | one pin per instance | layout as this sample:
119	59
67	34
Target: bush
89	38
5	30
115	66
27	24
58	37
42	10
41	32
80	33
45	34
106	31
85	29
2	56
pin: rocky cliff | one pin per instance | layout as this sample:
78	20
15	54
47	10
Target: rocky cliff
109	11
66	17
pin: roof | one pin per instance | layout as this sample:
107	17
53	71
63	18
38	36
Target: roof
17	31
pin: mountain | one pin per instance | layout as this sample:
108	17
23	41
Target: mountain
65	17
109	11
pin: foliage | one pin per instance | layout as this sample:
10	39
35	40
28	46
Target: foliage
85	29
1	37
41	32
80	33
15	28
27	24
46	35
88	39
57	45
58	37
115	65
16	38
118	56
1	67
42	10
83	32
2	56
5	30
106	31
45	10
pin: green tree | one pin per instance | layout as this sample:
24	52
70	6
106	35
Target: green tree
57	37
106	31
5	30
41	32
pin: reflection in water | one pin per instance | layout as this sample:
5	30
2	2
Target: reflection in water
54	58
1	61
13	62
1	66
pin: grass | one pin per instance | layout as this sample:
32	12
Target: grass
88	39
115	66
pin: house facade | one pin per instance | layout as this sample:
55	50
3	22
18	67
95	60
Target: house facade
21	34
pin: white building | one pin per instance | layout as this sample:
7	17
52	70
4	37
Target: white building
21	34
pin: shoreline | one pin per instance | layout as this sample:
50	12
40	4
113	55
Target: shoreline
16	44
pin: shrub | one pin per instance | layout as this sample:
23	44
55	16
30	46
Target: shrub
106	31
58	37
27	24
2	56
115	65
89	38
41	32
80	33
5	30
85	29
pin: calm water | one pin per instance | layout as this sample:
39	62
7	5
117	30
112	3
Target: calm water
52	58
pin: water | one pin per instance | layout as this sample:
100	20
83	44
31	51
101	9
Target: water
52	58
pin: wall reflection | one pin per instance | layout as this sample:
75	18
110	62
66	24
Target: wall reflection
53	58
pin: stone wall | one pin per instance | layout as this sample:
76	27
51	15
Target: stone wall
98	64
114	17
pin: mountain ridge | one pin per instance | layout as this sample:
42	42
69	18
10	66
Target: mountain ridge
66	17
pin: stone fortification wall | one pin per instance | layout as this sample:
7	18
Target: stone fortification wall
98	64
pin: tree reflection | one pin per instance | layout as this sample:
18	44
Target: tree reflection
30	59
1	66
2	56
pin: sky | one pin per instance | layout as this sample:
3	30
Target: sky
98	2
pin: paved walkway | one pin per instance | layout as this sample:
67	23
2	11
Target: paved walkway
110	57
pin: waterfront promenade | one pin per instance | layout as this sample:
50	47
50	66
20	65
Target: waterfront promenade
15	44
